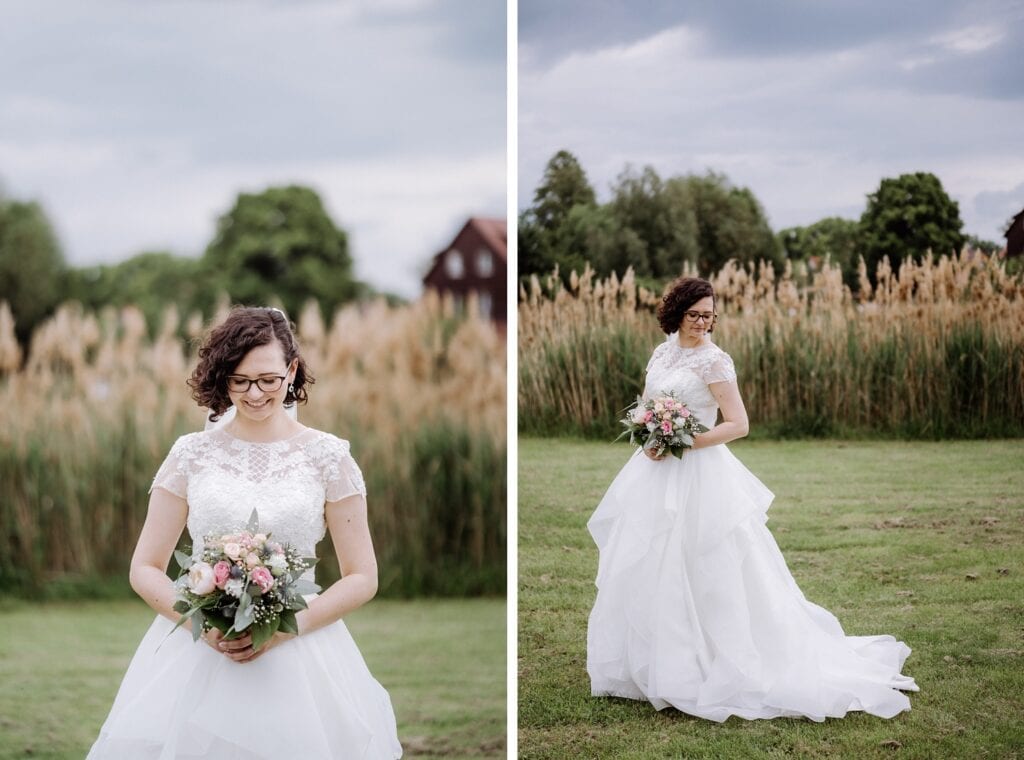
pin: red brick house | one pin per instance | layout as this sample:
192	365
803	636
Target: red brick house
1015	236
475	261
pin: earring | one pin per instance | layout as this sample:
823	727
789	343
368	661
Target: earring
291	389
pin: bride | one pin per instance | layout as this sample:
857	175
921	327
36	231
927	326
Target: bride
695	607
310	695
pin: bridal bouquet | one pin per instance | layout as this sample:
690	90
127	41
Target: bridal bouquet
661	424
242	582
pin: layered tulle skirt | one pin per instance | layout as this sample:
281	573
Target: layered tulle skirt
697	610
311	697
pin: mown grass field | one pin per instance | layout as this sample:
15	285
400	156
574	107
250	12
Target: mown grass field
443	663
920	540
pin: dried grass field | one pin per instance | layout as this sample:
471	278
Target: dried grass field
932	351
89	414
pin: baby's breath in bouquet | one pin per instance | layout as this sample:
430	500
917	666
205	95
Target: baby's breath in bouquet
242	582
661	424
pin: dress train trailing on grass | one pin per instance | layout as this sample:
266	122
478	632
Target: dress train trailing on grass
696	608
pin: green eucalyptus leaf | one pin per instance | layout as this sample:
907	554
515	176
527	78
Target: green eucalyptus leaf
262	633
302	586
184	560
289	623
254	522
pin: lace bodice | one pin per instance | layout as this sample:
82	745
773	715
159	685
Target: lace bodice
223	478
687	372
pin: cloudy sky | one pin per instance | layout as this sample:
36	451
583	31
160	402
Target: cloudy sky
136	124
809	103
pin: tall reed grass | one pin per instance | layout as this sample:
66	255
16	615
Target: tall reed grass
934	350
89	415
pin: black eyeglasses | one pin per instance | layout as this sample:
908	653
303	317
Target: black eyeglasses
693	316
239	384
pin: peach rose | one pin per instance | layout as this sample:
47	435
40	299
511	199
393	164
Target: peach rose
200	578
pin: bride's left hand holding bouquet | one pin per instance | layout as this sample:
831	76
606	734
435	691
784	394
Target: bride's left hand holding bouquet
242	582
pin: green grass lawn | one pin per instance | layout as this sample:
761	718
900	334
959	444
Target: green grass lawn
923	541
442	661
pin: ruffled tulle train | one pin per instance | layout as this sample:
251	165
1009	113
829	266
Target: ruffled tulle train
311	697
697	610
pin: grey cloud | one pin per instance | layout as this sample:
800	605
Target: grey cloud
998	208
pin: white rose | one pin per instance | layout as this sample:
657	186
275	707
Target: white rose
637	415
234	587
233	550
200	578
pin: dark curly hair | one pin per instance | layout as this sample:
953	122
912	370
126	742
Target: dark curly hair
227	344
681	295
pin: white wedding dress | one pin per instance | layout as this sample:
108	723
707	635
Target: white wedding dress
311	697
696	608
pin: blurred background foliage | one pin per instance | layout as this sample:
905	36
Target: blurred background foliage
93	363
278	245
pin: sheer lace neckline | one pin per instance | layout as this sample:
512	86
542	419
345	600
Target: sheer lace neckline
674	342
235	439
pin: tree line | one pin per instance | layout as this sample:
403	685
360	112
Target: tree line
656	225
279	246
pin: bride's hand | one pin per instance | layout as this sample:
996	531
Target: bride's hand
277	638
239	649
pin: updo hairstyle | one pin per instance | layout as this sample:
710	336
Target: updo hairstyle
681	295
227	344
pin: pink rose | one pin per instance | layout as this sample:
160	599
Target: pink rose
262	578
221	573
648	416
684	412
666	427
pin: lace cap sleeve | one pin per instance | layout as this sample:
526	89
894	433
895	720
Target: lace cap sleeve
720	369
342	476
173	473
660	349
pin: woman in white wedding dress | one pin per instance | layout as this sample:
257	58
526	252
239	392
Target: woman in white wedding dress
696	608
308	696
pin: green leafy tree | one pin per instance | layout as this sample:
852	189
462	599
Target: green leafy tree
594	235
661	217
31	265
730	224
906	217
833	238
542	228
535	255
988	247
563	187
149	281
282	243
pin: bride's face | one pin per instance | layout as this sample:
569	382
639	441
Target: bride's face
266	364
699	328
